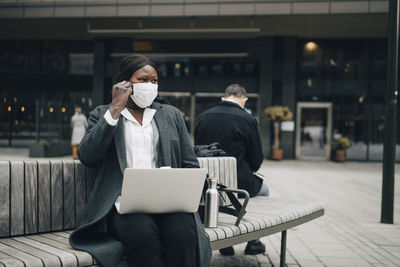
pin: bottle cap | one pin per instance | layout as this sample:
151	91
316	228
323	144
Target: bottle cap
212	179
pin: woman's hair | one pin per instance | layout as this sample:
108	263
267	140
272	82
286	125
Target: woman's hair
130	64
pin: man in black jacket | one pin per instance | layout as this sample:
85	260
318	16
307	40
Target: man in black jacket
237	133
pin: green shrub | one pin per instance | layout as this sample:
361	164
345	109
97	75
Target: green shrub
341	143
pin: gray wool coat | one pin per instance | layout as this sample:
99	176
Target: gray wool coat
103	146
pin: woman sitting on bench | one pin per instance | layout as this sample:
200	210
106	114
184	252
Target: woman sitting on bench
133	131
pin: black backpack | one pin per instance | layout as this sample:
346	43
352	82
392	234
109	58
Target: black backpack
211	150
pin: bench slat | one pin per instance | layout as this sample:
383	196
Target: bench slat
4	198
222	176
57	238
218	167
10	261
62	234
220	233
234	230
80	190
262	213
17	197
57	211
28	259
44	184
69	195
67	259
60	189
31	197
47	258
83	258
227	230
62	237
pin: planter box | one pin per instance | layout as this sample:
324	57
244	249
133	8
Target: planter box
50	150
277	153
339	155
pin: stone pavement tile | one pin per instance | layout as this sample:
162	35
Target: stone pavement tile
394	250
389	257
345	262
367	253
266	265
272	252
237	260
263	259
387	265
373	253
302	253
319	238
319	245
275	242
310	263
234	261
340	253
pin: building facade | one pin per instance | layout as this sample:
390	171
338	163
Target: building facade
325	60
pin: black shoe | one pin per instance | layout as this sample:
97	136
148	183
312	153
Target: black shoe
254	247
229	251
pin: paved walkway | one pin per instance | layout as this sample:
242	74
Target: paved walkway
348	235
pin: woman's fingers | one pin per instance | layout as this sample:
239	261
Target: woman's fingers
126	86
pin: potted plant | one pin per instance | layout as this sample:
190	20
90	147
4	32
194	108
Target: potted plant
339	147
277	114
49	148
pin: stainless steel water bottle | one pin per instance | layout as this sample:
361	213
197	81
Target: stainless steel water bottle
211	207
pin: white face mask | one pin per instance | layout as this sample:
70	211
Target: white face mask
144	94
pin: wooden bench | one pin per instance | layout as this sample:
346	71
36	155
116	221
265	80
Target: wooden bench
42	201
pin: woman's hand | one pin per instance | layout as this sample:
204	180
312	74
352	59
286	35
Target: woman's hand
120	95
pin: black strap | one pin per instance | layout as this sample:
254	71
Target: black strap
235	202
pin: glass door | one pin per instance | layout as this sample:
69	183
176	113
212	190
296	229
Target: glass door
314	127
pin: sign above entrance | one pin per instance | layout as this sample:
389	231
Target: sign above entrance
142	46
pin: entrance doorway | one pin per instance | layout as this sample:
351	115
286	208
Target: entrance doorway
314	128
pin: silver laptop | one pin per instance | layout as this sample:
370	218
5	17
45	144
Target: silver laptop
162	190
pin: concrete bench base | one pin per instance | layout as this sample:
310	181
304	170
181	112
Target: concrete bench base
265	216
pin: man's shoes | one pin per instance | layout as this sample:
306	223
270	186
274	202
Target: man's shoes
229	251
254	247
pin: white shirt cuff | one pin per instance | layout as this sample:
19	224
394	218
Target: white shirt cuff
109	118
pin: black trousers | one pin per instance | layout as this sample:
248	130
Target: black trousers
156	239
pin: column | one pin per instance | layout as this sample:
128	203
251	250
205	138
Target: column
288	139
99	63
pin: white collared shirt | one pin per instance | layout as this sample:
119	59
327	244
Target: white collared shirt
139	143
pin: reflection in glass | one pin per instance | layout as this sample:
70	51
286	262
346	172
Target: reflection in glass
313	132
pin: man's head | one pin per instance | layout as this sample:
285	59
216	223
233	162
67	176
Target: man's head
236	93
78	110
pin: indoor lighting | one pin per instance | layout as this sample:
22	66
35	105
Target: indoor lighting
51	110
310	46
63	110
15	99
309	82
5	99
22	109
9	108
